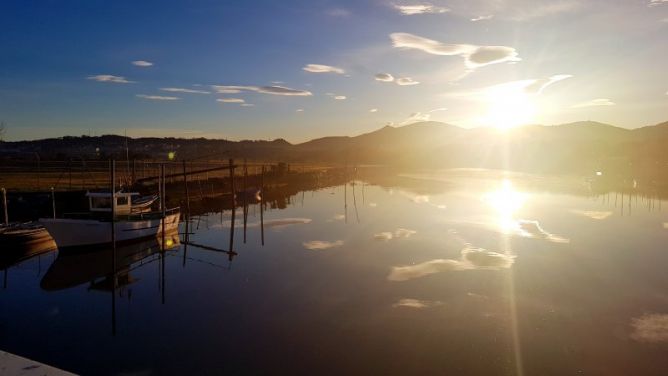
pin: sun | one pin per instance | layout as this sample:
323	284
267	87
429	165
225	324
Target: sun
509	107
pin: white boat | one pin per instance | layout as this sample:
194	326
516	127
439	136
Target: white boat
94	228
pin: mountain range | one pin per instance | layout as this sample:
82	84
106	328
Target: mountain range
581	147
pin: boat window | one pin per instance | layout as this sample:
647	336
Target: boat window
100	203
123	200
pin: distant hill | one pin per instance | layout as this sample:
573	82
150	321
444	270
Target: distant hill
581	147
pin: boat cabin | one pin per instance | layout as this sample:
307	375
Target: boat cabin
101	202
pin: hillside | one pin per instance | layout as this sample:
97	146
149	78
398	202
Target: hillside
580	147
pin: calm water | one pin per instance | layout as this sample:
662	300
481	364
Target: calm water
431	274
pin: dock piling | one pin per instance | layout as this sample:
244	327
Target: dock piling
4	205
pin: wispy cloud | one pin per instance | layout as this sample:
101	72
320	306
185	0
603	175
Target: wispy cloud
595	103
183	90
321	68
533	86
299	110
373	110
338	12
321	244
340	97
416	117
482	18
416	303
475	56
426	8
471	259
274	90
110	78
384	77
653	3
230	100
142	63
157	97
406	81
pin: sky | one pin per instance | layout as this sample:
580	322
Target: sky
305	69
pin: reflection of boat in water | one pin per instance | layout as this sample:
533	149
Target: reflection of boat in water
70	270
94	227
22	241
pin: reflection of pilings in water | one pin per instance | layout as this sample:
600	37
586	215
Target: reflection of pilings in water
355	203
245	194
262	205
345	202
112	182
234	205
162	244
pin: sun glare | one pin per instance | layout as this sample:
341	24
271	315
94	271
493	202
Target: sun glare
506	201
509	107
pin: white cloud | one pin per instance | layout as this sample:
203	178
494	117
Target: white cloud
299	110
274	90
595	103
338	12
320	68
414	9
416	117
384	77
182	90
653	3
383	236
142	63
482	18
109	78
247	105
471	259
373	110
475	56
157	97
322	244
340	97
650	328
416	303
230	100
406	81
527	87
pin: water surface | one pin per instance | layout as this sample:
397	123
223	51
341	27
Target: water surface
428	274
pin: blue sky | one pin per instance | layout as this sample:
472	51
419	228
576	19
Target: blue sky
66	67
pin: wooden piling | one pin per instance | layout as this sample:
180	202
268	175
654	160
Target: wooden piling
112	181
4	205
53	202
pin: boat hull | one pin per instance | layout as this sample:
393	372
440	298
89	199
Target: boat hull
71	233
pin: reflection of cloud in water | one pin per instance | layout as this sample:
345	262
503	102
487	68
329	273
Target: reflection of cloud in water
398	233
275	223
471	259
383	236
416	303
282	222
532	229
373	204
523	227
339	217
599	215
650	328
321	244
665	225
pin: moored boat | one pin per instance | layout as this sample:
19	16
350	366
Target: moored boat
93	228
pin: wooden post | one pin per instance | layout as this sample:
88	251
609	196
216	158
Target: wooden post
159	190
234	203
185	188
53	202
4	205
114	281
262	205
134	171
